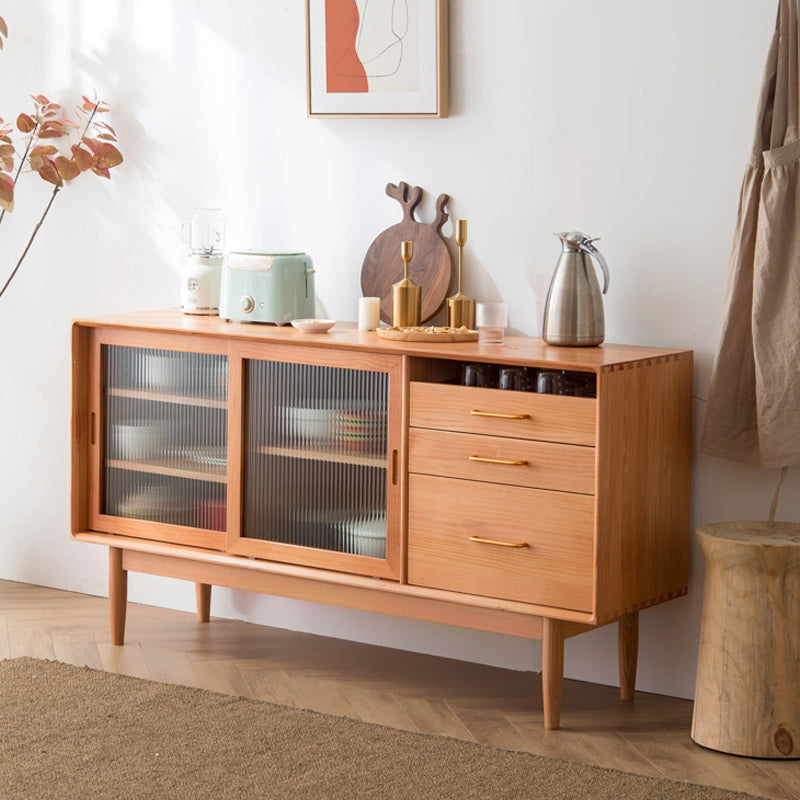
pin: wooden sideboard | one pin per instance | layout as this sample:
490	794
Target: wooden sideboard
346	469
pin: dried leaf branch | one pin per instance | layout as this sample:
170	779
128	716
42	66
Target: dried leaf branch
54	146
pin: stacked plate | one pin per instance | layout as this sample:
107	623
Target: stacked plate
155	503
206	455
362	431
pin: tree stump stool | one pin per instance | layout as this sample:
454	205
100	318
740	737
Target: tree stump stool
747	697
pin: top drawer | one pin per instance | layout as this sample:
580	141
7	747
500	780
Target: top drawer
520	415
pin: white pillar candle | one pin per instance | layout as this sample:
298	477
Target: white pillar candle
369	313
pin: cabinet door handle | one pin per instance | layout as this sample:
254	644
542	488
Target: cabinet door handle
505	461
477	413
481	540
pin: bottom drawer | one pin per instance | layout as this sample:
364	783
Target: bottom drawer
553	567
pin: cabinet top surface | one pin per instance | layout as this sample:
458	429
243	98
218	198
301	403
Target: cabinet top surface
345	336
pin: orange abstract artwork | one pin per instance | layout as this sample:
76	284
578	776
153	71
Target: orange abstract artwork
376	57
345	72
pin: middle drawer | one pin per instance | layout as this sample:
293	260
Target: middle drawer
496	459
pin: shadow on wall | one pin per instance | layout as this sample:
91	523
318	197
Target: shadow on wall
190	133
150	211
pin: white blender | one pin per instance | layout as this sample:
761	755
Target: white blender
200	279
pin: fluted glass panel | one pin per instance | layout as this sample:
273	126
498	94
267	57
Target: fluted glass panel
165	436
315	457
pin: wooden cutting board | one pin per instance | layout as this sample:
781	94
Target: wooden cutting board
431	265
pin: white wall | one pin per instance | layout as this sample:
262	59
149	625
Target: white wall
630	120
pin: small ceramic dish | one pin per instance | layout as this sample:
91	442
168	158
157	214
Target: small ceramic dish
313	325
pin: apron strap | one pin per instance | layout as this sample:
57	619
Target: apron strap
778	112
786	103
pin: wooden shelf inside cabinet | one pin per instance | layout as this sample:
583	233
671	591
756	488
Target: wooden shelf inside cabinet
165	397
175	469
315	454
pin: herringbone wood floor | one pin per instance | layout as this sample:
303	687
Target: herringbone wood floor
390	687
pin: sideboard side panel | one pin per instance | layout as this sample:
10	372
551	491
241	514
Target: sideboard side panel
83	428
644	480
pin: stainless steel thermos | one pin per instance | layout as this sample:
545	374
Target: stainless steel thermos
573	311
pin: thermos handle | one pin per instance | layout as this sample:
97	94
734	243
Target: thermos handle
589	248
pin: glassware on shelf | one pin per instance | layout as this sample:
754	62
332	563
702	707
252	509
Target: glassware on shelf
566	382
549	381
513	379
477	375
529	379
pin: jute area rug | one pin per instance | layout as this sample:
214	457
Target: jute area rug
76	733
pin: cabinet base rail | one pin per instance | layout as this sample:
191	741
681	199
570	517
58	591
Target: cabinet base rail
551	632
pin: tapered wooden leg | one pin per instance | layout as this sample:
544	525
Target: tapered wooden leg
628	644
117	594
203	594
552	672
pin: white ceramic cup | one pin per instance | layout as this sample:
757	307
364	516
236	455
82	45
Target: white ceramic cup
491	320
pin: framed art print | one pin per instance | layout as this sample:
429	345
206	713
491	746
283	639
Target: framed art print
376	58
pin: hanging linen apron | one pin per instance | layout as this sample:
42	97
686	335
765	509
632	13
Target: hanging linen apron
753	413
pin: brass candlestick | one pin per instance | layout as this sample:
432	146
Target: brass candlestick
406	298
460	307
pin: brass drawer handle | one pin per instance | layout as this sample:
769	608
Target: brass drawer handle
476	413
505	461
481	540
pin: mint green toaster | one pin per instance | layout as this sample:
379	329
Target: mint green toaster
267	287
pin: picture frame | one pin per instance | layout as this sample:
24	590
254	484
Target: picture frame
377	58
